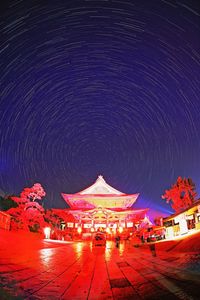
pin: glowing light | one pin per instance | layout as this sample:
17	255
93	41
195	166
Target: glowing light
120	229
47	231
92	229
79	230
108	230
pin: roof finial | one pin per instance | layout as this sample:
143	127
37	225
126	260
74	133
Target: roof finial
100	178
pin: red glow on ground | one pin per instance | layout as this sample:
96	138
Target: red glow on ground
31	267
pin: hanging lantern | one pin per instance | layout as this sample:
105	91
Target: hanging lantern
120	229
108	230
79	230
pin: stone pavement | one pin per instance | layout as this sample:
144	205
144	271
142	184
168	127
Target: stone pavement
79	270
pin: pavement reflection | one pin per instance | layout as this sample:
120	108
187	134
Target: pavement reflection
46	256
78	247
81	270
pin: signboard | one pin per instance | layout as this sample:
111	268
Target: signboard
179	218
87	225
71	225
129	224
190	217
100	225
122	224
183	227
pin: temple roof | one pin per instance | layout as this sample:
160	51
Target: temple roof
100	194
100	187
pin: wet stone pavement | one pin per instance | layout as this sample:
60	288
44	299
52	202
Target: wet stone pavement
80	270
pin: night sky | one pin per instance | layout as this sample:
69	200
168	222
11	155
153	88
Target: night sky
99	87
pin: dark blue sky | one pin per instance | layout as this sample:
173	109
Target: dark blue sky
99	87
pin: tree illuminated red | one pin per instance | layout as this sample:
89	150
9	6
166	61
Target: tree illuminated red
181	195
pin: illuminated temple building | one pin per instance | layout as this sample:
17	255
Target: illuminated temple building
102	206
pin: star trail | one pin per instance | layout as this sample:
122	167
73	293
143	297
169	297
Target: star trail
99	87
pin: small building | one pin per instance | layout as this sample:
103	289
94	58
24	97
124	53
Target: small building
183	222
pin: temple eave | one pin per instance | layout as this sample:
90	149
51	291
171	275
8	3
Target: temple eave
107	201
83	196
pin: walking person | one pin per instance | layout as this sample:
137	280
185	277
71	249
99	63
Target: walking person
117	240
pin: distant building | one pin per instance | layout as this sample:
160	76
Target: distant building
183	222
